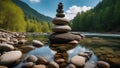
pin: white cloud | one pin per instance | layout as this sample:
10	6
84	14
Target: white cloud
71	13
35	1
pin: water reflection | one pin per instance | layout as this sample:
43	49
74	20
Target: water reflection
46	52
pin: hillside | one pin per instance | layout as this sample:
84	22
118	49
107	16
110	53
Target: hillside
29	12
11	16
105	17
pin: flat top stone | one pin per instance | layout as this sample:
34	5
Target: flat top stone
62	38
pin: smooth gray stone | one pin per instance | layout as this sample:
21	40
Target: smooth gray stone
31	58
53	64
6	47
61	28
60	21
37	43
10	57
63	38
78	61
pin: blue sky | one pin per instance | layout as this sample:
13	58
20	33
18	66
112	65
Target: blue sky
71	7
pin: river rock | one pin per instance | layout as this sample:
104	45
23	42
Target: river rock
42	60
3	66
10	57
71	66
60	21
37	43
6	47
63	38
22	41
31	58
39	66
26	49
61	28
53	64
103	64
90	65
28	65
3	40
78	61
60	60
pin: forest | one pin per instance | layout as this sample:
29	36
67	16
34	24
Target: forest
13	18
105	17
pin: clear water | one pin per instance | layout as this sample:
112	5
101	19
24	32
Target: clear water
46	52
49	54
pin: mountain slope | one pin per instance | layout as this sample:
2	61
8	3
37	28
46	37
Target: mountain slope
105	17
29	12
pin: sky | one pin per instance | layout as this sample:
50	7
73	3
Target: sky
71	7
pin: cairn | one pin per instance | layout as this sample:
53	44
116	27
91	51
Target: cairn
62	39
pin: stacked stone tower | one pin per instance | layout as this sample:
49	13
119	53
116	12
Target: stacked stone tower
61	32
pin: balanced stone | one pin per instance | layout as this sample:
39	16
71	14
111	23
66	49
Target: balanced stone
63	38
10	57
60	15
60	21
61	28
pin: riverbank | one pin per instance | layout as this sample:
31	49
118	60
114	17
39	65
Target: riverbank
107	49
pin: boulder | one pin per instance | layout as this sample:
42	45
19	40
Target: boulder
37	43
78	61
103	64
28	65
31	58
10	57
63	38
61	28
53	64
42	60
6	47
60	21
39	66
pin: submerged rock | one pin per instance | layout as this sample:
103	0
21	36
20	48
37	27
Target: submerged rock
42	60
78	61
31	58
53	64
28	65
39	66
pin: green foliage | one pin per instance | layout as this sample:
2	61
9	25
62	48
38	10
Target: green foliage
11	16
104	17
31	13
